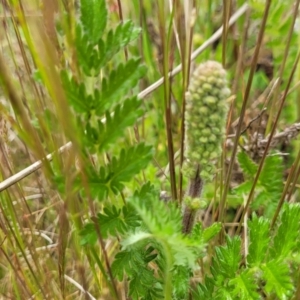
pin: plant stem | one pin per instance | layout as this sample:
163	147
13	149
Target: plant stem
189	214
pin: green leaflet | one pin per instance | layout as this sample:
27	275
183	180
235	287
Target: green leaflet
111	222
259	233
120	170
116	40
244	286
118	84
134	262
93	18
247	164
93	54
270	182
286	239
76	94
277	278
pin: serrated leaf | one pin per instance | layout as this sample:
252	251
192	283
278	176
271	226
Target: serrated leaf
156	215
76	94
120	170
277	278
181	280
211	232
87	55
205	235
163	222
123	263
259	234
119	83
247	164
223	294
93	18
287	235
124	115
112	221
271	174
116	40
244	287
228	257
88	235
204	291
134	263
243	189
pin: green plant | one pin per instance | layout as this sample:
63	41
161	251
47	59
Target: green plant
118	215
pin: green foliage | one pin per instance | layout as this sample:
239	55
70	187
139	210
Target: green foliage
94	52
134	262
110	216
287	235
77	95
93	18
112	222
267	265
277	278
154	239
119	83
108	132
163	224
227	258
116	40
259	229
180	282
270	182
244	286
247	164
119	170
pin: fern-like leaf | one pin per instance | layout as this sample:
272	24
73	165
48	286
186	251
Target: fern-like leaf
163	223
271	175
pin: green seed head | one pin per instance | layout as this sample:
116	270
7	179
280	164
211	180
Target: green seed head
206	111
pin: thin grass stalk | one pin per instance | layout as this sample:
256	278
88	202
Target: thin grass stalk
197	52
234	90
166	43
18	240
106	259
251	194
243	110
226	14
16	272
286	188
282	67
186	67
294	185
